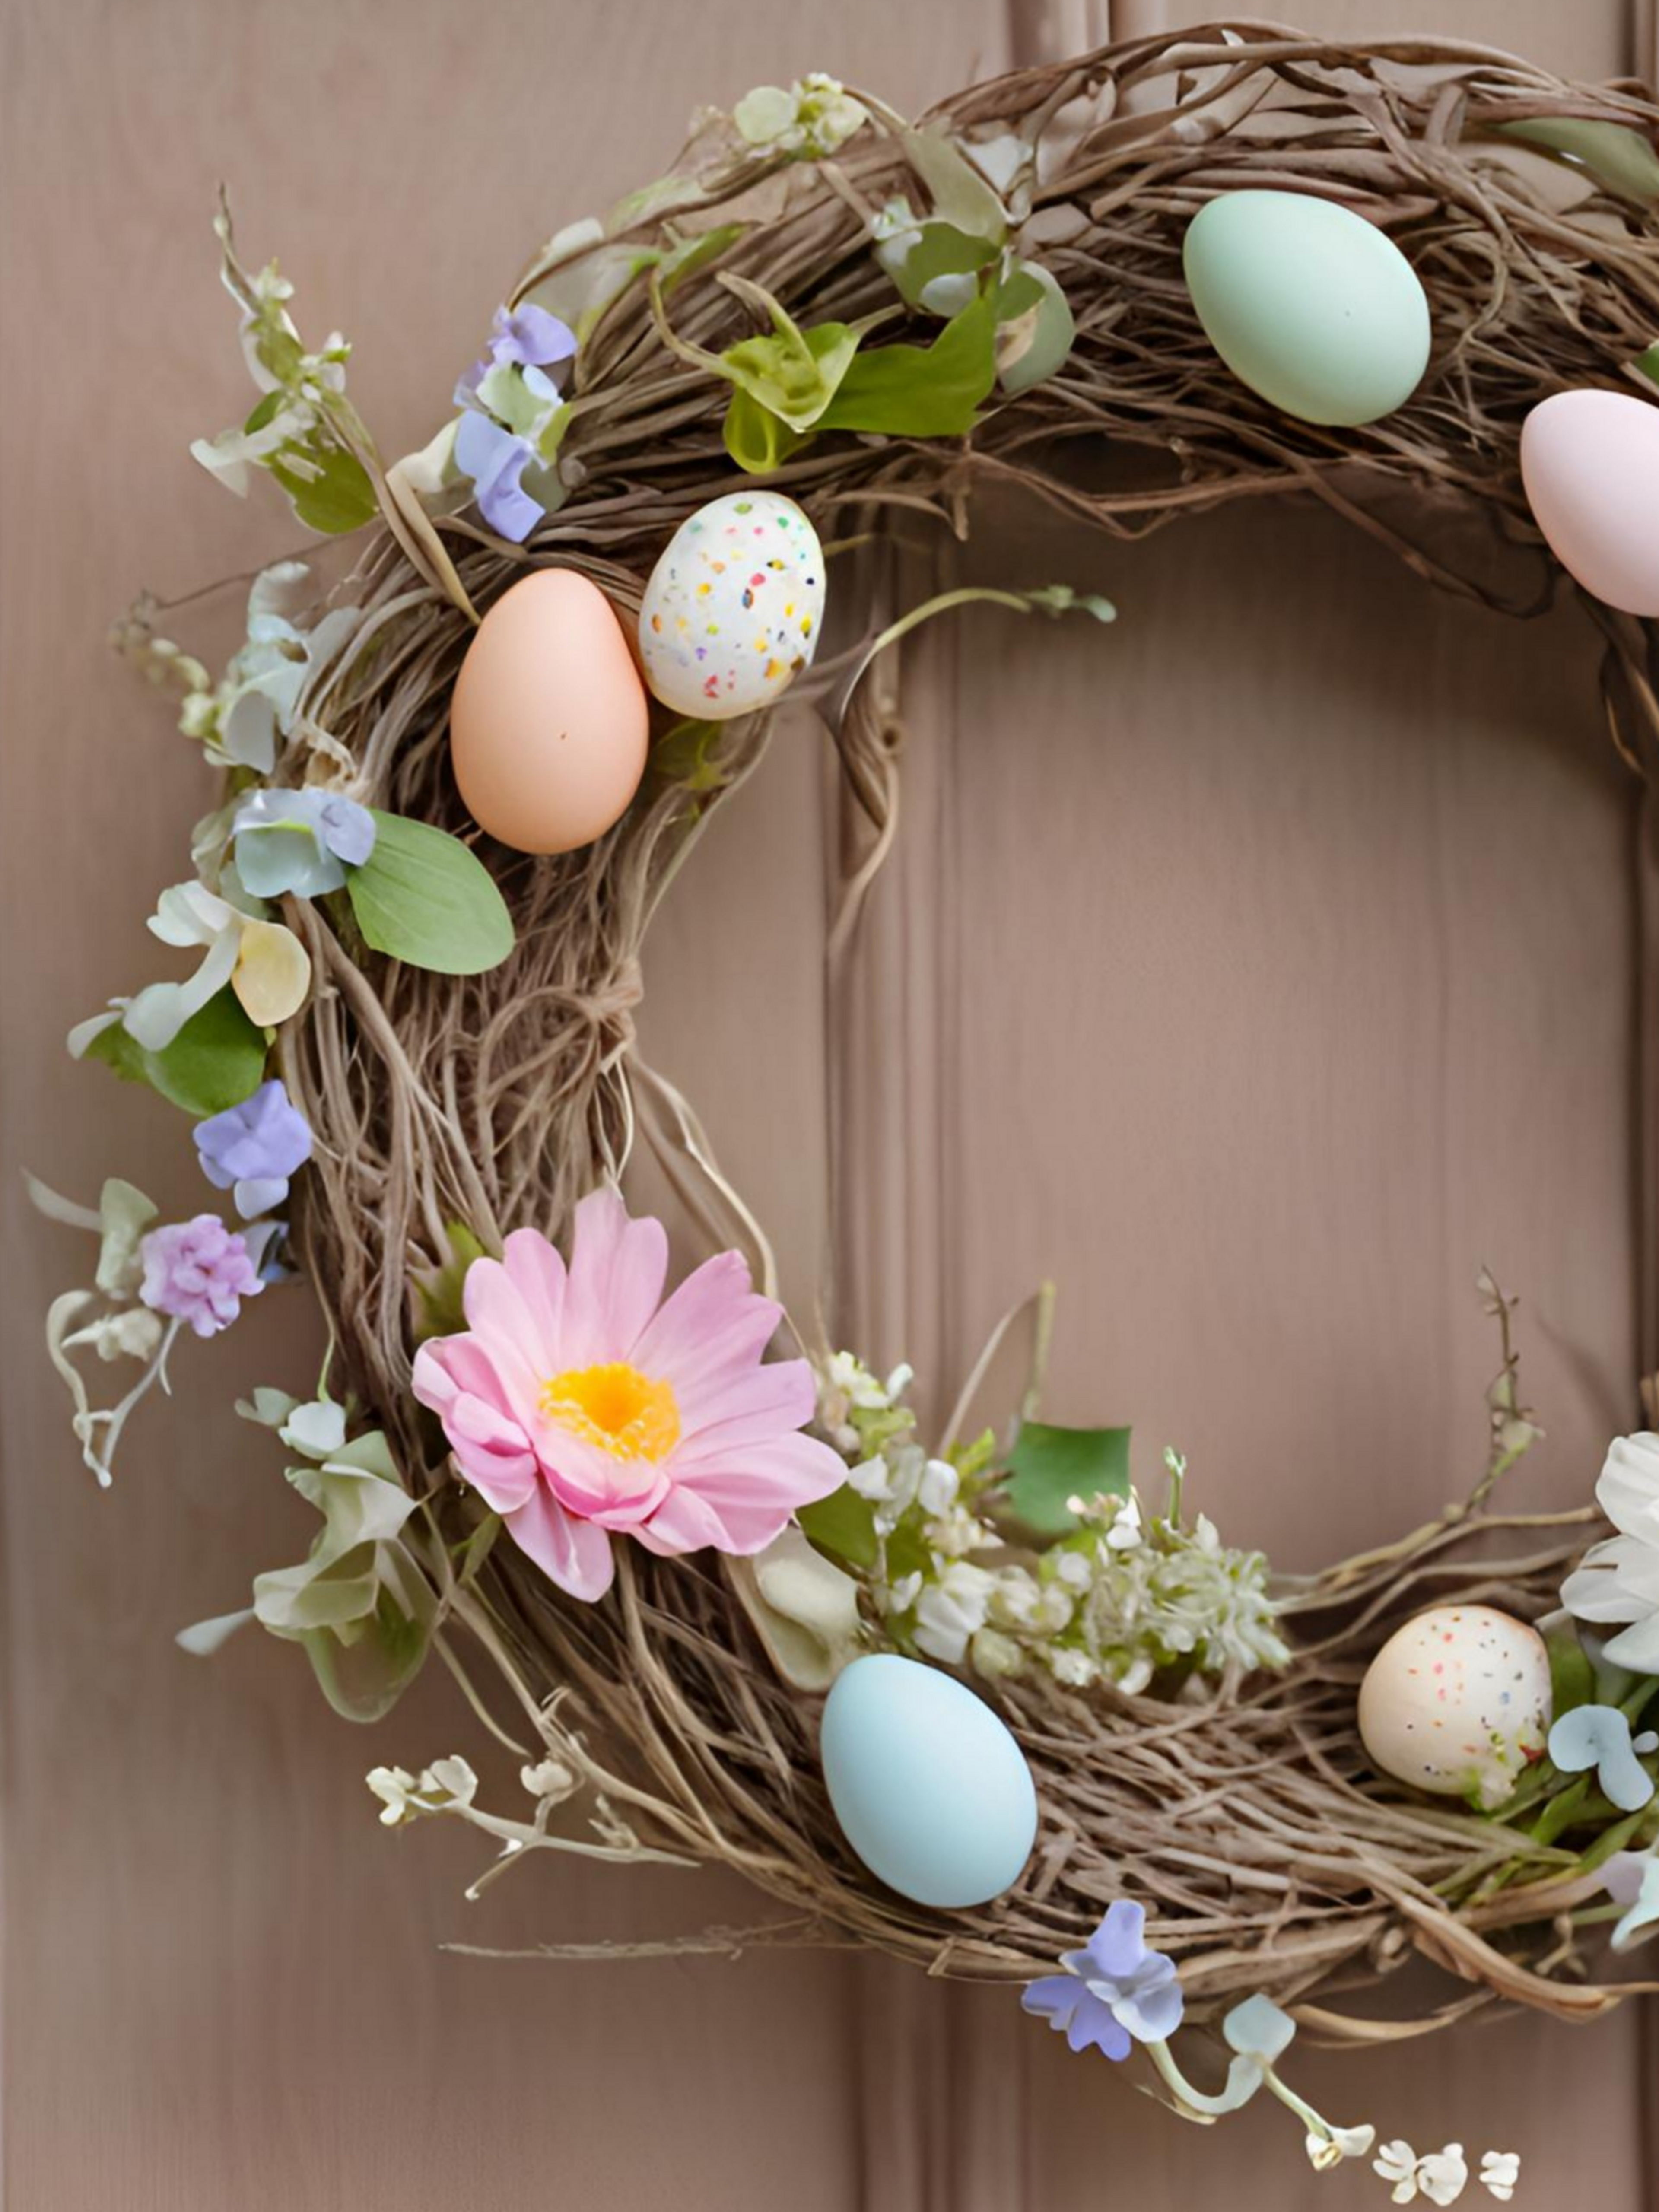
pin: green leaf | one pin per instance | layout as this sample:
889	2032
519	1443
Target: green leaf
928	261
1049	1466
216	1060
333	495
423	896
1572	1678
363	1679
440	1291
795	374
1648	363
691	254
478	1546
1619	158
960	194
921	392
844	1525
1035	328
688	753
754	438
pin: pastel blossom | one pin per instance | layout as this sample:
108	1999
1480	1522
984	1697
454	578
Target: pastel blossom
301	841
1632	1879
263	962
1441	2176
197	1272
525	338
1500	2170
259	700
581	1405
807	121
252	1150
1114	1991
1619	1578
496	459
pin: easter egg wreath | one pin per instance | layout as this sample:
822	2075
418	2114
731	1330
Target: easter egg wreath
652	1532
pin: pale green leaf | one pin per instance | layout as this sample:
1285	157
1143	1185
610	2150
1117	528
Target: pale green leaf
1050	1465
1619	159
328	487
216	1060
1036	335
423	896
959	193
921	392
844	1525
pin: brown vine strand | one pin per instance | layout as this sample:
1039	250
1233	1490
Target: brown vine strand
1250	1825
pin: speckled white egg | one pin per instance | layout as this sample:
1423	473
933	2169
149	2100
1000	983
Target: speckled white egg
731	613
1458	1702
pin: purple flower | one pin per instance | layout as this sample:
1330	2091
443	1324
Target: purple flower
1113	1991
525	338
495	460
253	1149
301	841
197	1272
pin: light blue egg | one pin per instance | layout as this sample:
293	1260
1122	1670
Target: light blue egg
931	1790
1309	304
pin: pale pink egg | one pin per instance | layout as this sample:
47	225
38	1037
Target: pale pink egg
548	727
1589	461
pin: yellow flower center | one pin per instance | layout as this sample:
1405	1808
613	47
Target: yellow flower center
614	1406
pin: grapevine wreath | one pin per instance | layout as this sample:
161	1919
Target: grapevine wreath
1415	280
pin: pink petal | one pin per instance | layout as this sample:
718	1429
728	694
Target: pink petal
594	1484
617	1269
498	1316
750	1409
788	1471
710	1335
684	1523
490	1448
574	1553
536	1273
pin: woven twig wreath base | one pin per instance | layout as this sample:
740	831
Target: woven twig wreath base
1275	1861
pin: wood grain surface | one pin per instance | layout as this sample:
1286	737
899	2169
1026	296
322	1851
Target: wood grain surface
1259	968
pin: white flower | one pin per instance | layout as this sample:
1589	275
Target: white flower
995	1655
549	1780
950	1610
263	962
900	1596
260	697
1632	1879
1073	1568
953	1536
394	1786
936	1492
1124	1533
131	1334
1442	2175
1334	2144
1076	1669
809	121
872	1479
1619	1580
1499	2172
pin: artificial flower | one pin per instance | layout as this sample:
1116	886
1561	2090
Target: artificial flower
1619	1578
581	1405
952	1610
263	962
809	121
1114	1991
525	338
804	1608
496	459
252	1150
1599	1737
1500	2170
445	1786
1442	2176
301	841
1632	1879
258	701
197	1272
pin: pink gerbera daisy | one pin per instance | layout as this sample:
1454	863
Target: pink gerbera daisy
578	1403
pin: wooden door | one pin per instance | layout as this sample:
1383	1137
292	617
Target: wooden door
1342	876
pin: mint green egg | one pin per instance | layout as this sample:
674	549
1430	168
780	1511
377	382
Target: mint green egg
1309	304
931	1790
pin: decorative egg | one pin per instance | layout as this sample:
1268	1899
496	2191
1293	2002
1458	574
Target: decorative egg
731	613
930	1789
1309	304
1589	461
1458	1702
549	722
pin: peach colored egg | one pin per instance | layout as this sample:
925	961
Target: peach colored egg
548	723
1589	461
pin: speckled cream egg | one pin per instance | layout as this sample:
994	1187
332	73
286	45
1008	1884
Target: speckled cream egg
1458	1702
731	613
549	724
